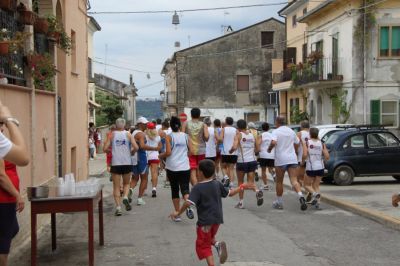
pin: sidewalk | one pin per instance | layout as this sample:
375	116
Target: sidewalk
98	166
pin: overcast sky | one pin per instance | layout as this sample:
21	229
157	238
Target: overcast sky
144	41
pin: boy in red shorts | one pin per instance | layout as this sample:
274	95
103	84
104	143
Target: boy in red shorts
206	196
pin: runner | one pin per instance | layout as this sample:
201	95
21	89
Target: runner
245	143
304	136
211	145
141	169
314	152
285	142
266	159
153	140
206	196
227	138
198	135
159	124
163	132
177	165
218	163
122	145
253	130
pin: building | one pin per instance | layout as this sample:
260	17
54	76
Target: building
292	99
53	116
227	76
93	27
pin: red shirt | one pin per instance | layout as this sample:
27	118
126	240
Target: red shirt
11	171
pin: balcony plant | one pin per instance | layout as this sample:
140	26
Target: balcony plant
41	25
43	71
26	16
9	5
4	41
17	43
58	35
314	56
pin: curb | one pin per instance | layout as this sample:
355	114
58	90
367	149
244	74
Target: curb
376	216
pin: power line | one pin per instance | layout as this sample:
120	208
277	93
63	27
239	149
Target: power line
151	84
125	68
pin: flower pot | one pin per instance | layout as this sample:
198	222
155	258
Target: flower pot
41	25
27	17
9	5
54	37
4	46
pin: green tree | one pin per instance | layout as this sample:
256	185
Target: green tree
110	109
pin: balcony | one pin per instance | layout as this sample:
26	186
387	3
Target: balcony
323	73
282	81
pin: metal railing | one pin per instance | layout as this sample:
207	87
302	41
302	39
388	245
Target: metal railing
283	76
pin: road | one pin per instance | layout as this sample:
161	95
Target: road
255	236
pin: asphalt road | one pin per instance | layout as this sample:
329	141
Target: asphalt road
255	236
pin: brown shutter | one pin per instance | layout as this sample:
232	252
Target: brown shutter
242	83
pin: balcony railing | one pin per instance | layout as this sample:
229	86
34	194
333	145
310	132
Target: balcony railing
283	76
171	97
325	69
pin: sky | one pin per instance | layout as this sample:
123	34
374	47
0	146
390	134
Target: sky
139	44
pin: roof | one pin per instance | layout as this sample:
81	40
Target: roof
292	5
229	34
317	9
95	23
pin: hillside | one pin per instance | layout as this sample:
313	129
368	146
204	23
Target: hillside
149	109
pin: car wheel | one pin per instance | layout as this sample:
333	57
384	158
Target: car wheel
343	175
397	177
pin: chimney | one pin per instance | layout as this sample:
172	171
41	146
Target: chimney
130	79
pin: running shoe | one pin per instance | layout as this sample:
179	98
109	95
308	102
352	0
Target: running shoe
303	204
277	205
222	251
190	213
226	182
309	197
128	207
118	211
317	207
154	193
315	199
177	219
140	202
130	195
239	205
265	187
259	196
256	177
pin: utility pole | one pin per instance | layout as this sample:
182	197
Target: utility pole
365	63
105	60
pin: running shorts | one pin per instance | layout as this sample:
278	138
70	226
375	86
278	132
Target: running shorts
247	167
120	169
266	162
232	159
9	227
194	160
205	239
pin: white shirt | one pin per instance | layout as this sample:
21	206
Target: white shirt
158	127
121	148
153	155
246	148
229	138
211	146
314	159
305	135
266	139
178	160
285	139
5	146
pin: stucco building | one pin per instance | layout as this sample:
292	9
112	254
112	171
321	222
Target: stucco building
93	26
229	75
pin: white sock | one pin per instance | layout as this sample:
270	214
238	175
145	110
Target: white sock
280	199
241	201
154	188
300	194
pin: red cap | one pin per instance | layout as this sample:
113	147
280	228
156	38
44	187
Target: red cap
183	117
151	125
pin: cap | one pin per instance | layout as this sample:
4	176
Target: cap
151	125
183	117
142	120
252	125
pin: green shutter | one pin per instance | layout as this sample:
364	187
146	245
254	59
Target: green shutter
384	41
395	41
375	112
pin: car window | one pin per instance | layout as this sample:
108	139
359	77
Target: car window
327	135
332	139
354	142
380	140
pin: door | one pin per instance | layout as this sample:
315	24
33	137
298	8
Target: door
252	117
354	153
335	54
59	140
383	153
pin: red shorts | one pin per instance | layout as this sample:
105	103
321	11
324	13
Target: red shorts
153	162
194	160
205	239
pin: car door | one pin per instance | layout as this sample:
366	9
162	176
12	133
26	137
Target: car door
383	153
354	153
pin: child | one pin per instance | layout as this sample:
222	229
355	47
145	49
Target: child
92	147
396	199
153	140
314	152
206	196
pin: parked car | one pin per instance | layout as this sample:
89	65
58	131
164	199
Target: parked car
361	152
325	131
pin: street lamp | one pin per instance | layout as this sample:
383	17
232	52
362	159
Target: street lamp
175	19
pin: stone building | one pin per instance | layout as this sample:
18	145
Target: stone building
229	75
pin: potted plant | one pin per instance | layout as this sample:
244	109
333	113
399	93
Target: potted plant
55	29
26	16
4	41
17	43
65	42
314	56
9	5
43	71
41	25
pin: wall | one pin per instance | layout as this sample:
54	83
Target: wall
222	113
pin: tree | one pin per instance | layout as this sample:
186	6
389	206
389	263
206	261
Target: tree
110	110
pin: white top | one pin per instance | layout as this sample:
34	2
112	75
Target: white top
158	127
178	160
314	159
266	139
153	155
229	138
121	148
305	135
99	136
246	148
285	139
211	145
5	146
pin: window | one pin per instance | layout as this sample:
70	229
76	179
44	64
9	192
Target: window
294	21
294	102
305	11
73	51
243	83
267	39
385	112
389	41
381	140
356	141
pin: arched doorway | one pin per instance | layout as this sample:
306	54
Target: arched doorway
319	110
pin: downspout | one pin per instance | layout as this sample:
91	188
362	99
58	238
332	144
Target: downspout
365	65
279	100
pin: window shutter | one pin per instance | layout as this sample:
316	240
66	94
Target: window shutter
375	112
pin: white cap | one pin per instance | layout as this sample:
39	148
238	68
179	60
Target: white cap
142	120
